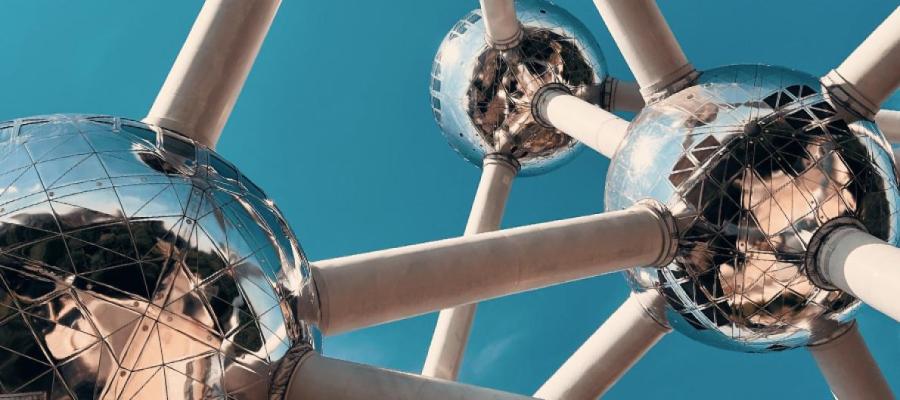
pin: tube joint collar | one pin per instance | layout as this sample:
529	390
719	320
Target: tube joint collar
846	94
668	230
681	78
819	249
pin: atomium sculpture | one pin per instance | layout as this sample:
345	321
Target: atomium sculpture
752	208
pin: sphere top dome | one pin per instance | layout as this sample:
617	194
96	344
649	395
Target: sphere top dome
752	161
481	96
135	260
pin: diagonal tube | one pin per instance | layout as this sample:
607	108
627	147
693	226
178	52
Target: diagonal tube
872	72
597	128
209	72
849	368
648	45
451	334
617	345
382	286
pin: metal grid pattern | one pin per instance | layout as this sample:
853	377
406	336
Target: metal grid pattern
134	262
752	161
481	96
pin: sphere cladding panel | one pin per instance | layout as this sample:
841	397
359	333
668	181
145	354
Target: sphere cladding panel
133	260
752	161
481	96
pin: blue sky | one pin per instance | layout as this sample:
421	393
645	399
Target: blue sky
334	122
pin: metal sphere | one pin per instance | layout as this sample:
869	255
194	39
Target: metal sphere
481	96
751	162
134	260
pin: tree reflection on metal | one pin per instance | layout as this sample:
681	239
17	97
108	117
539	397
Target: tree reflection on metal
134	260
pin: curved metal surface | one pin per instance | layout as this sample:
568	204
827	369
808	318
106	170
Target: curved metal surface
481	96
134	260
751	162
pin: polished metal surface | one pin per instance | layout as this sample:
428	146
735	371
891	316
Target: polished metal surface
134	261
751	161
481	96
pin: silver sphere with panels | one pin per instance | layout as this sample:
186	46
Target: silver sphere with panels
482	94
752	161
135	260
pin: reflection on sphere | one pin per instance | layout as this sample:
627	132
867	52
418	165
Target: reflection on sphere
132	259
481	96
752	161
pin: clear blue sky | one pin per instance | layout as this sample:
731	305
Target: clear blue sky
334	122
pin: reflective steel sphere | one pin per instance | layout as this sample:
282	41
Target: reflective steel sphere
134	261
751	162
481	96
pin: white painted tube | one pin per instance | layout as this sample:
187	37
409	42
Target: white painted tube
318	377
889	123
648	45
617	345
497	175
597	128
209	72
501	23
622	95
849	368
864	266
872	72
451	334
382	286
448	343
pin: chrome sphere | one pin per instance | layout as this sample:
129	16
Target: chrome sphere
481	96
134	260
751	162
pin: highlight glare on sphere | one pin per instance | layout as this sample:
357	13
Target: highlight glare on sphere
481	96
751	161
129	253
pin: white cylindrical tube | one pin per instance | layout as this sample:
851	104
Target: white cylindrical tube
648	45
889	123
372	288
501	23
849	368
622	95
864	266
872	72
597	128
209	72
451	333
318	377
617	345
497	175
